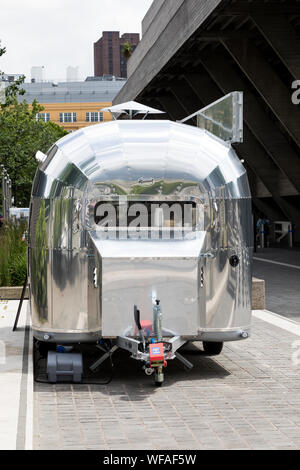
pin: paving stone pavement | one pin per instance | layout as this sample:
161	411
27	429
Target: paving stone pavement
246	398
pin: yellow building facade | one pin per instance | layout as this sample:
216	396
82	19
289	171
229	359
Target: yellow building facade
74	116
74	105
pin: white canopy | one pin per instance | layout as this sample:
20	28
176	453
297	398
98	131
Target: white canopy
132	108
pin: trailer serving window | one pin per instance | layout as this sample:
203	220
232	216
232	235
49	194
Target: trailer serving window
172	218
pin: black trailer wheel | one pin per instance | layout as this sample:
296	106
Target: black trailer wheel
40	351
213	349
43	347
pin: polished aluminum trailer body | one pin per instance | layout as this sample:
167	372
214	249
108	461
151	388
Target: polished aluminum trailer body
84	287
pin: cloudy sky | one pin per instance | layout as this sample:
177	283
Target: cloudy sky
59	33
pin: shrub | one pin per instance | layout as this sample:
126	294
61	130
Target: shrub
12	254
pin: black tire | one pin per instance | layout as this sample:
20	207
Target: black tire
213	349
44	347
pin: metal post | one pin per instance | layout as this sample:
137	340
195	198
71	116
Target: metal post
290	236
3	196
20	304
6	197
255	231
262	236
9	196
6	193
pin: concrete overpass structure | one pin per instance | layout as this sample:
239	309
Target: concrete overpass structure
195	51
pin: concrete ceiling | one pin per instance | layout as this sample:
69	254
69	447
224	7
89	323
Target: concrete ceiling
193	52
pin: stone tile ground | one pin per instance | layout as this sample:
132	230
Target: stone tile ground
246	398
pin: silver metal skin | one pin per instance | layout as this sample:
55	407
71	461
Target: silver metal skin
84	287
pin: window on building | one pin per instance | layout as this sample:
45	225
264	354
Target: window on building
67	117
110	54
94	117
43	116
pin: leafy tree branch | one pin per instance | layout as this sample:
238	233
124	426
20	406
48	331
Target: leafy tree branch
22	134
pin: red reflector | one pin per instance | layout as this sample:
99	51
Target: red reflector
157	356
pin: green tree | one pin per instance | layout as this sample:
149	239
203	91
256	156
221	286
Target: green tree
22	134
127	50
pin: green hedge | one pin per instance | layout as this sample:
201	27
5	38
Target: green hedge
12	254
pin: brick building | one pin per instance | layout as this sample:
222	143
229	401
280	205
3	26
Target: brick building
108	58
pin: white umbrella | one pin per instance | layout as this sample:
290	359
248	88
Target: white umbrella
131	108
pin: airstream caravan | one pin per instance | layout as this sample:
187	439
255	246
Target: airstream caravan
140	237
